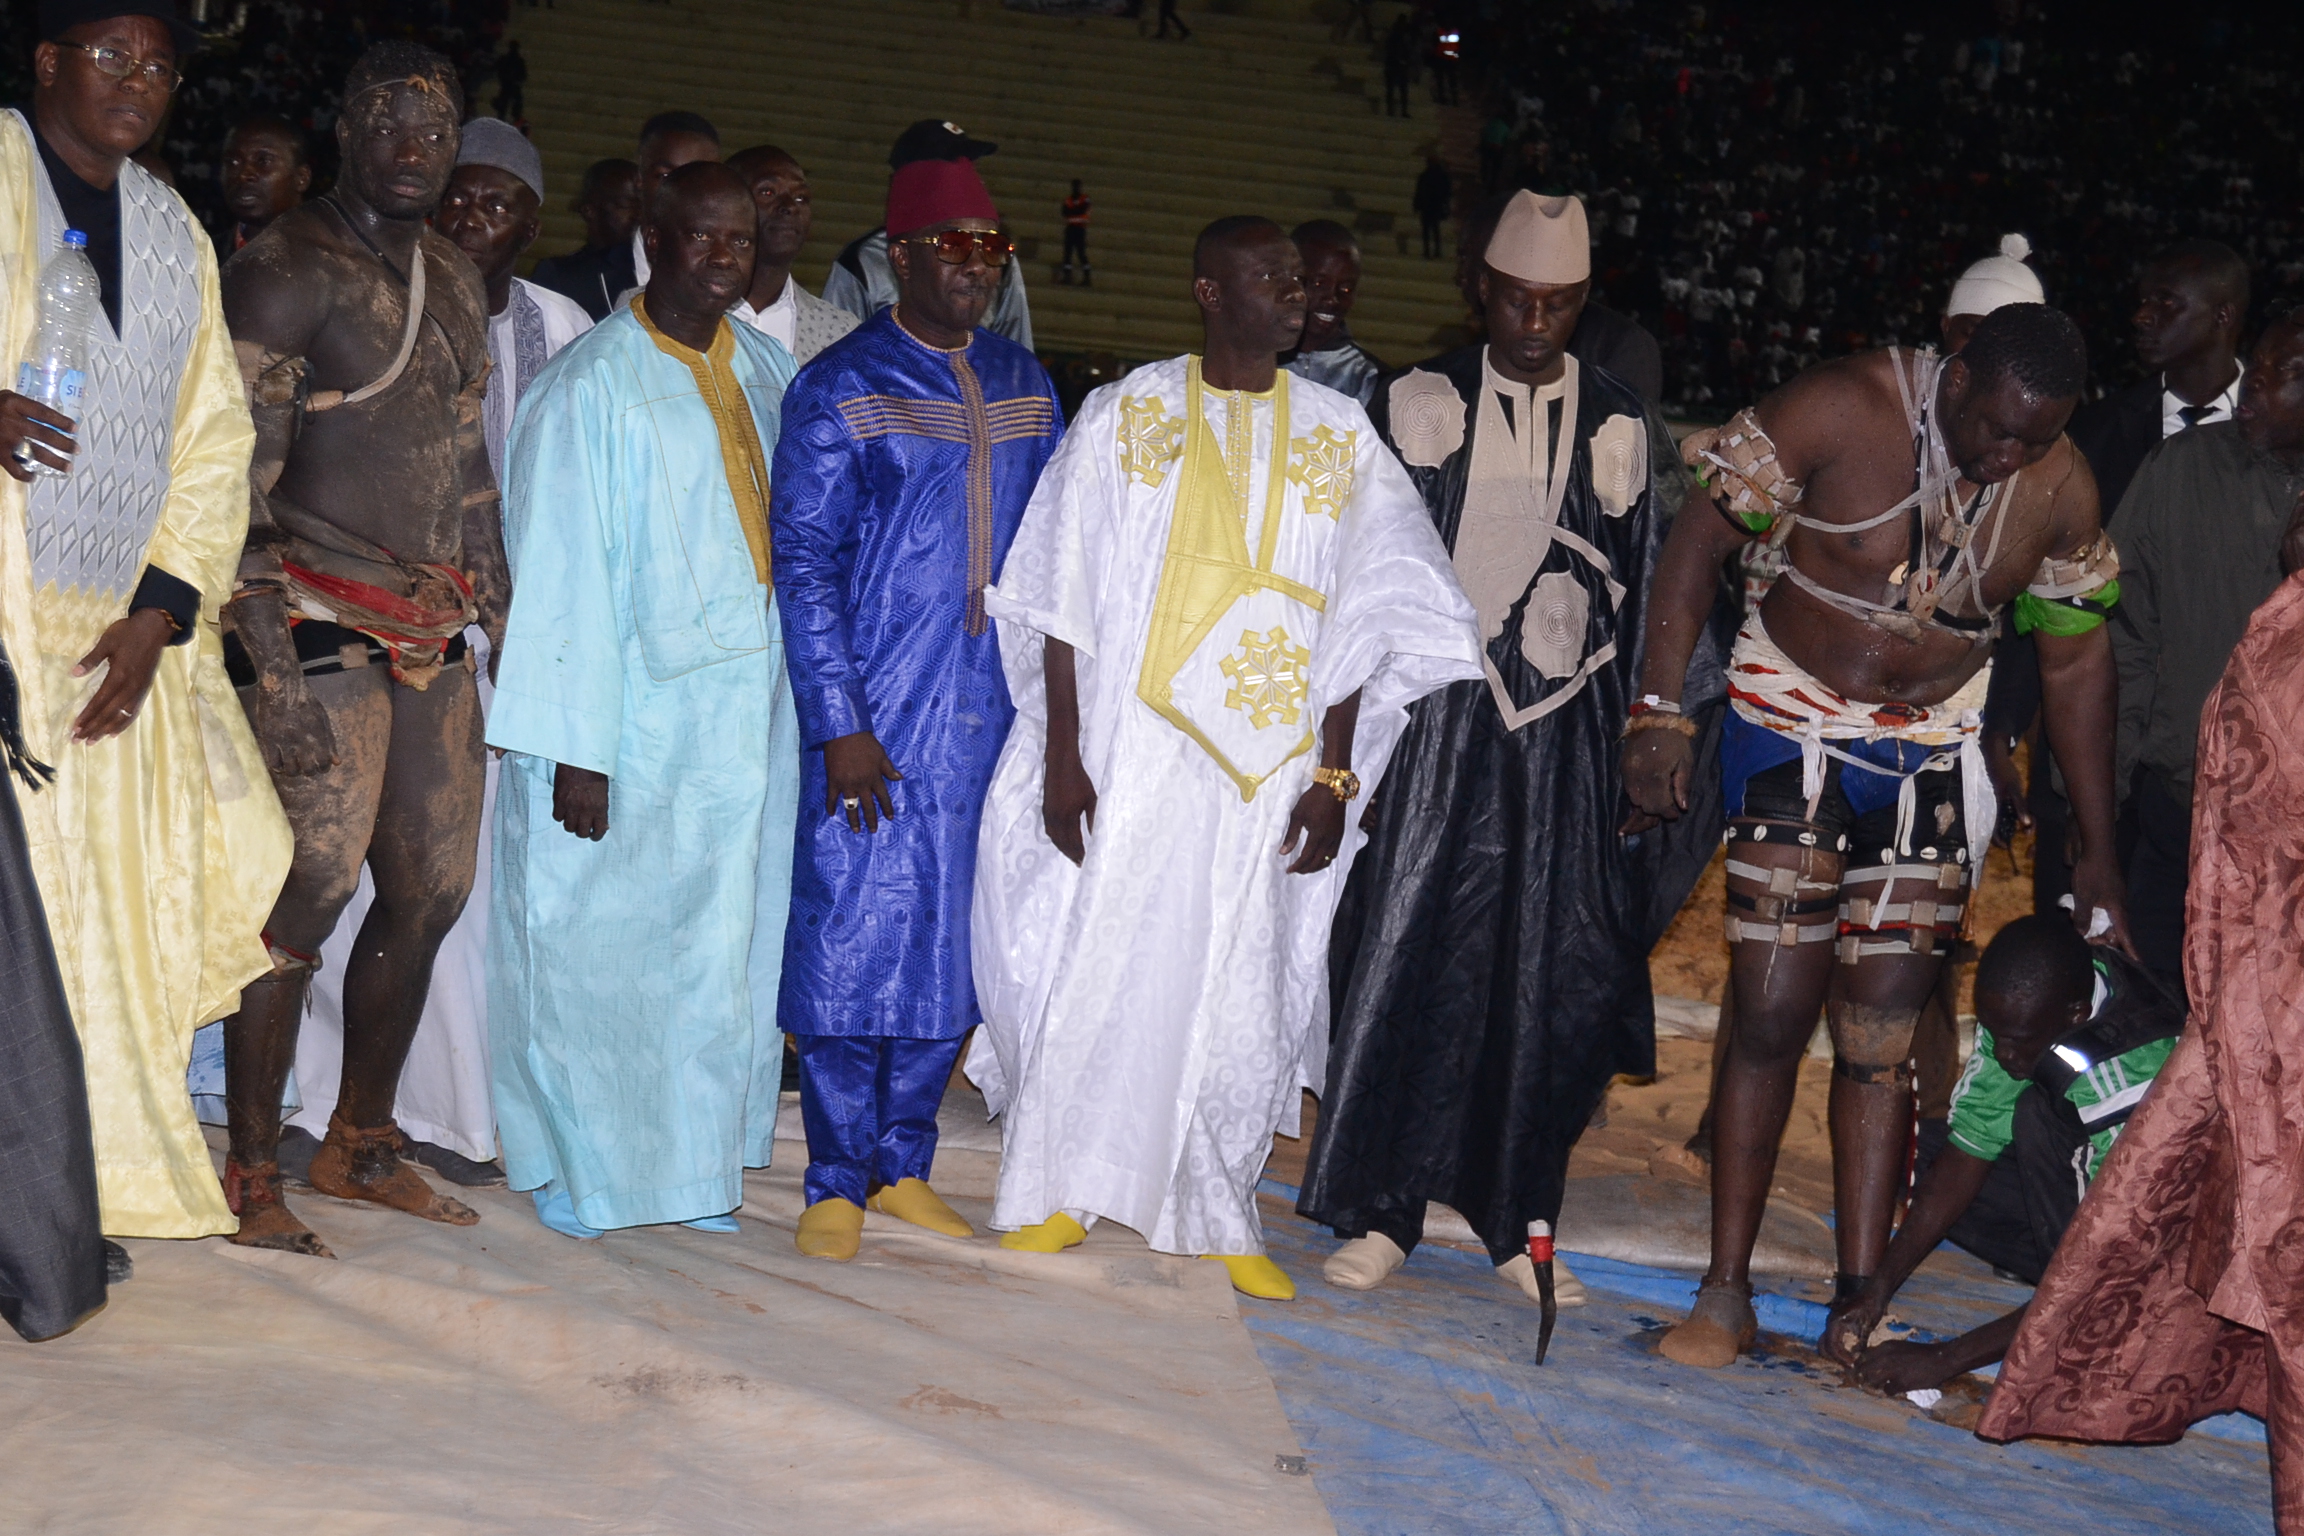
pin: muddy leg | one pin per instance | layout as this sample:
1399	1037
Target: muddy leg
421	856
1902	919
331	814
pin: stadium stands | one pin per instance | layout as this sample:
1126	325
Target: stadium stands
1260	112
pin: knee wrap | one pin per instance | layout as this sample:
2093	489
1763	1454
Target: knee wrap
1907	927
287	962
1792	893
1870	1044
1898	1075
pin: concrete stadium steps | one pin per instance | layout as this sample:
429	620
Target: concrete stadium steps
1261	112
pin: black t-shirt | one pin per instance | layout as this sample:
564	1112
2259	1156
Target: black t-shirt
95	212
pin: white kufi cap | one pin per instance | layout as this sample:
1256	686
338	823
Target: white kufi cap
1997	280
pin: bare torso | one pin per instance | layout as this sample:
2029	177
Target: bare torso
390	470
1847	420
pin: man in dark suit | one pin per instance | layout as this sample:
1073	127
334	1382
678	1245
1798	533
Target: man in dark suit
2201	535
609	267
2191	301
609	203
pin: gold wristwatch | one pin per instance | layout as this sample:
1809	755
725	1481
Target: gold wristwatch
1344	781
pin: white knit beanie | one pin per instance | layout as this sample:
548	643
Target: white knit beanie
1997	280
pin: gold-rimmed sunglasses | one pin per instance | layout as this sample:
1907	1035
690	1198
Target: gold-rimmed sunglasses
120	64
953	245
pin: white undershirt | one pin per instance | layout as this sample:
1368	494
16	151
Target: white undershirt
2172	408
780	320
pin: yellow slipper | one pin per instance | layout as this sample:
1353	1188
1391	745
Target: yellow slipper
832	1229
1255	1275
913	1201
1054	1235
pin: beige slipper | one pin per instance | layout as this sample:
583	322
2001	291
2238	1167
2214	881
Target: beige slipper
1520	1270
1363	1263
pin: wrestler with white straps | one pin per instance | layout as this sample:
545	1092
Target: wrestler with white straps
1914	499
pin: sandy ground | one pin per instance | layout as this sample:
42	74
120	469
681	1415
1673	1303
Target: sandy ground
499	1380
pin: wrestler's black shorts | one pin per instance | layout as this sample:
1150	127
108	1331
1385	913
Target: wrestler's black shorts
320	649
1939	827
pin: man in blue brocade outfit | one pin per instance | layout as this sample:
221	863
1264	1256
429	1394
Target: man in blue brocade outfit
909	450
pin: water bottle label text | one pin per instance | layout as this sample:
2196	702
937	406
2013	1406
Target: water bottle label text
68	390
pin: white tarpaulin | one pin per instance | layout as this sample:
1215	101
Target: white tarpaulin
501	1378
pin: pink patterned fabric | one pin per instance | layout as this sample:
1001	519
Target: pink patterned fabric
2179	1290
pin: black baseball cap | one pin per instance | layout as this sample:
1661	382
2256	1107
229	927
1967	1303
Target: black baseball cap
58	17
931	138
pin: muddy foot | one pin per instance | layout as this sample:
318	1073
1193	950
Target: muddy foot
1720	1327
276	1227
265	1220
1681	1164
362	1164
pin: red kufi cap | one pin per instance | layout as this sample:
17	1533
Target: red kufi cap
933	191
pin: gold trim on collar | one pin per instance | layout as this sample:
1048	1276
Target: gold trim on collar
742	459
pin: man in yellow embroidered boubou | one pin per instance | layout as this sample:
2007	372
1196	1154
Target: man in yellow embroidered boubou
652	772
1224	599
1497	920
1916	497
149	848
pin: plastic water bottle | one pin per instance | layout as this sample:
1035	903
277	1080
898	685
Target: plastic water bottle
56	374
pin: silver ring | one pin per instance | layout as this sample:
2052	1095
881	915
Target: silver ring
851	801
127	714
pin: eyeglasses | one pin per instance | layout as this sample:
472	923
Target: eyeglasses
119	63
953	246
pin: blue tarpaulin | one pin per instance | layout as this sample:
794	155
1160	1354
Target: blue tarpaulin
1421	1409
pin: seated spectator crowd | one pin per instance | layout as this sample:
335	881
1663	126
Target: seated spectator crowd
1775	184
